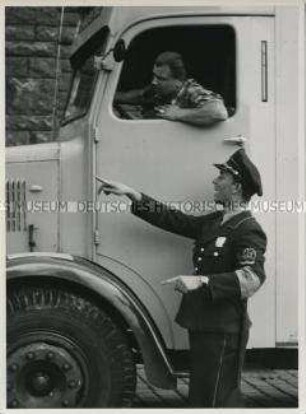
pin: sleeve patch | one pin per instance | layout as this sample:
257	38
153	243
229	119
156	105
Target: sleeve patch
248	256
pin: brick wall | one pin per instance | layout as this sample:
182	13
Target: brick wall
38	71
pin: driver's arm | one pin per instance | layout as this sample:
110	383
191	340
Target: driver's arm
130	97
195	105
208	113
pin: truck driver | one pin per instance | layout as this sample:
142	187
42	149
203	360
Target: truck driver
173	96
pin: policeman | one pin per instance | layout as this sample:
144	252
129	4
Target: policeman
228	259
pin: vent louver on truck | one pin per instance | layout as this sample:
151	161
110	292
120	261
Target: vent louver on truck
16	205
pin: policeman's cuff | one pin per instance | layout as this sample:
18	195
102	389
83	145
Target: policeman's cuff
201	293
224	286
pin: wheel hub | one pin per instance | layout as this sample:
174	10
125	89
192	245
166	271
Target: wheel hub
42	375
41	383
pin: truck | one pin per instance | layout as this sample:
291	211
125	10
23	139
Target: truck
85	303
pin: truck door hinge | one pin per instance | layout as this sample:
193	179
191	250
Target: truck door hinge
96	237
94	136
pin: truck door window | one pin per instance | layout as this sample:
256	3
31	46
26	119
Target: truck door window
208	53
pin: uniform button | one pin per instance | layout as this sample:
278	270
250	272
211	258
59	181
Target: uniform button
196	269
216	254
202	249
199	259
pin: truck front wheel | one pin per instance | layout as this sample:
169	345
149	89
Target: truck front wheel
64	351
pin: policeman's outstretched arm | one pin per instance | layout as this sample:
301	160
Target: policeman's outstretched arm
152	211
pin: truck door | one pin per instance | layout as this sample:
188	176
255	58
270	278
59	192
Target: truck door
172	161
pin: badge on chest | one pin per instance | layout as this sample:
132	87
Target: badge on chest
220	241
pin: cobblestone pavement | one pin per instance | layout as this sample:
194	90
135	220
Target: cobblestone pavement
260	387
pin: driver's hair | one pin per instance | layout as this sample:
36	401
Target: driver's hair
175	62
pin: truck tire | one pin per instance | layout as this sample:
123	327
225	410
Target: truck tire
64	351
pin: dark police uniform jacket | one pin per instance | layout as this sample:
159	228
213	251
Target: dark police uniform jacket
230	254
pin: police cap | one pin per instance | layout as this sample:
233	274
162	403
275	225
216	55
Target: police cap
244	171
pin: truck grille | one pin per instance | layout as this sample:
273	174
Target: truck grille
16	206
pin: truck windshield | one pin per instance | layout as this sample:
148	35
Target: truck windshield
81	90
85	75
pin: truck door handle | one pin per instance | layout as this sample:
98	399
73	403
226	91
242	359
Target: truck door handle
239	140
35	188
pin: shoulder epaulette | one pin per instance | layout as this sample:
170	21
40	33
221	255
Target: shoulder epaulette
242	221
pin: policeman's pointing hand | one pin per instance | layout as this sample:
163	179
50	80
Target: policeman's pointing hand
117	188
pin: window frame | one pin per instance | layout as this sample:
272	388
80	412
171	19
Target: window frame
94	46
132	32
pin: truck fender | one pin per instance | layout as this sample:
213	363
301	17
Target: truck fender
83	272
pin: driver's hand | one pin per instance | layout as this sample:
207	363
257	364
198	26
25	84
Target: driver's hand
171	112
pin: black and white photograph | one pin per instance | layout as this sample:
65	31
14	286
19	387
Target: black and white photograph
154	205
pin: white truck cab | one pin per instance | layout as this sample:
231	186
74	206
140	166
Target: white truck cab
84	275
